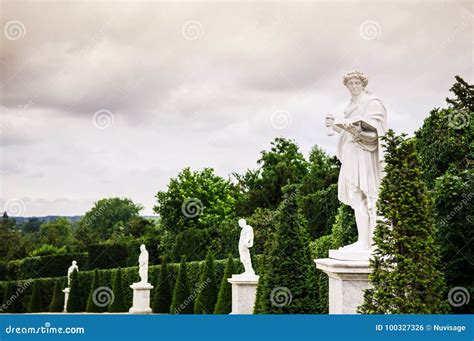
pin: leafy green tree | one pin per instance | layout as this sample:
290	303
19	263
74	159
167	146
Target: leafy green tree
74	302
32	225
182	302
84	236
118	305
192	209
57	302
91	307
224	298
445	141
282	165
207	289
35	305
405	269
12	243
109	214
56	232
290	276
163	294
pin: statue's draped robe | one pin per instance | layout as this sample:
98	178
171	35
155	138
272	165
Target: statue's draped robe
143	266
246	238
362	162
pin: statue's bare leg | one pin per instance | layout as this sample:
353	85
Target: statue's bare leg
363	231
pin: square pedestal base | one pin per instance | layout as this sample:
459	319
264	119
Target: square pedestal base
347	282
141	298
244	292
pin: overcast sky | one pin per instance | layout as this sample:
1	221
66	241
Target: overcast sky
102	98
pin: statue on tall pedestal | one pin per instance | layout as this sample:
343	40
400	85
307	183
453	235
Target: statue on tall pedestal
360	152
246	242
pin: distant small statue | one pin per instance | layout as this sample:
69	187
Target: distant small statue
70	271
246	242
143	264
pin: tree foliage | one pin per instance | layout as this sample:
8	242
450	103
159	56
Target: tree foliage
405	270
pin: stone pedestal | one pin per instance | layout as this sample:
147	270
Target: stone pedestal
244	292
66	297
347	281
141	298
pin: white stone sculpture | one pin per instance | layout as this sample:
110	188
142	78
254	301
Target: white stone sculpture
141	289
70	270
143	264
66	291
361	155
246	242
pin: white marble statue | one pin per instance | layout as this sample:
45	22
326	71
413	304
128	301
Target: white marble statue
143	264
70	271
246	242
361	155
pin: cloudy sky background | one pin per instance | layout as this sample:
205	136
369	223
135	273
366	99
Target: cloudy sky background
200	84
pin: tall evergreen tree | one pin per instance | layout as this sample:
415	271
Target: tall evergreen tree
35	305
163	294
224	299
57	302
91	307
182	302
118	305
207	289
74	302
289	281
405	274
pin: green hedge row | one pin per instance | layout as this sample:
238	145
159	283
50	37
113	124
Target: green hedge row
129	275
40	267
99	256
